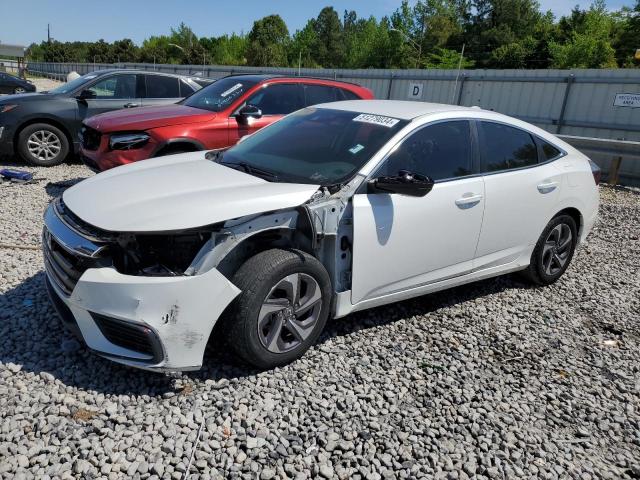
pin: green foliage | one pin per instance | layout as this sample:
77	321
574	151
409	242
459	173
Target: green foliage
268	41
418	34
589	44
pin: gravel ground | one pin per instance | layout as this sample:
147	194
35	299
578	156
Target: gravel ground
491	380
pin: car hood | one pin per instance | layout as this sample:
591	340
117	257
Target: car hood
145	118
177	192
26	97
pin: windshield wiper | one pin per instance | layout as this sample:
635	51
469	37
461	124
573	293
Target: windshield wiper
250	169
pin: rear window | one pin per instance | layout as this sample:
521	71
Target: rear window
549	152
505	148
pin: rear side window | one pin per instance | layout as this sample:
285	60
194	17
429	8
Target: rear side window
504	148
440	151
347	95
159	86
549	152
186	89
315	94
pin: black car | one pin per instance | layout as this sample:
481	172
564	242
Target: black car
43	127
12	84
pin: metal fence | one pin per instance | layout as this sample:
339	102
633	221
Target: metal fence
577	103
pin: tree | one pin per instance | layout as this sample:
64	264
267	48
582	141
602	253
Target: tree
99	52
124	51
627	36
268	42
330	51
589	45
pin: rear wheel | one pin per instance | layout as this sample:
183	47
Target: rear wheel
18	90
283	307
554	251
43	145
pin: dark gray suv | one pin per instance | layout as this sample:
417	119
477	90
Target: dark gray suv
43	127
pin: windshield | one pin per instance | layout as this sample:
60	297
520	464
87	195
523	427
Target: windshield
220	94
315	145
74	84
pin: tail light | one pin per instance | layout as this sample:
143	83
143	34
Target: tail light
596	171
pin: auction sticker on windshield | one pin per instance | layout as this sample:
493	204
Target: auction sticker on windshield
376	119
231	90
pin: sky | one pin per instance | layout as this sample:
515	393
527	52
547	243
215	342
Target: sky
26	21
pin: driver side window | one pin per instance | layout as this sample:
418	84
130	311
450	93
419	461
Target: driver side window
115	87
441	151
278	99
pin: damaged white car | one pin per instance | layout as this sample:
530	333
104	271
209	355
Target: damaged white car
332	209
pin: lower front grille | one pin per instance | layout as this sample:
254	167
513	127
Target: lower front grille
90	138
129	335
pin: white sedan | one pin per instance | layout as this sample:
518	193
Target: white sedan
333	209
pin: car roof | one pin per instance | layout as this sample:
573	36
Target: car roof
133	70
403	109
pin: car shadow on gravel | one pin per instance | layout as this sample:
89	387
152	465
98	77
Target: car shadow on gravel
34	340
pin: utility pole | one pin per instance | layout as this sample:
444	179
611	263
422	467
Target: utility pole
422	29
48	33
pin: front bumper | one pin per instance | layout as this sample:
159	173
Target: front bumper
156	323
103	158
6	141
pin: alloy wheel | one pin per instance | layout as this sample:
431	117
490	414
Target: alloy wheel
557	249
44	145
289	313
19	90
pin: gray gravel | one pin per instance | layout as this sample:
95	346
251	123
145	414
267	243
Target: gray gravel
492	380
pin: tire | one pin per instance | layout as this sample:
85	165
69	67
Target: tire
553	252
266	281
19	90
43	145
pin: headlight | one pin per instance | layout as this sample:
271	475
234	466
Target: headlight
128	141
7	108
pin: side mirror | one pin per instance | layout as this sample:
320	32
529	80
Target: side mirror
247	112
86	94
405	183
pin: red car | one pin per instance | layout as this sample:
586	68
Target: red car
215	117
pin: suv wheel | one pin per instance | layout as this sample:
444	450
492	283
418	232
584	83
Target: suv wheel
43	145
554	251
283	307
18	90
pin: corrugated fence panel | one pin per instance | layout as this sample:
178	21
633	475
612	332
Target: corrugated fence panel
572	102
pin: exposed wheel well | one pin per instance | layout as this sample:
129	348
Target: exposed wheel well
51	122
275	238
575	214
177	147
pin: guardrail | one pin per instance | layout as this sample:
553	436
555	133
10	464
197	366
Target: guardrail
616	150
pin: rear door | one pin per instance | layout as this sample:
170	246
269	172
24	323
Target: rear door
275	101
522	191
112	92
161	90
402	242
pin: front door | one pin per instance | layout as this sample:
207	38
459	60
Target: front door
111	93
403	242
275	101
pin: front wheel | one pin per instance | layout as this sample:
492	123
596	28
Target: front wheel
283	307
19	90
554	251
43	145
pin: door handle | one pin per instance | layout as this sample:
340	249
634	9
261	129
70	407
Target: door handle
131	105
468	200
547	187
